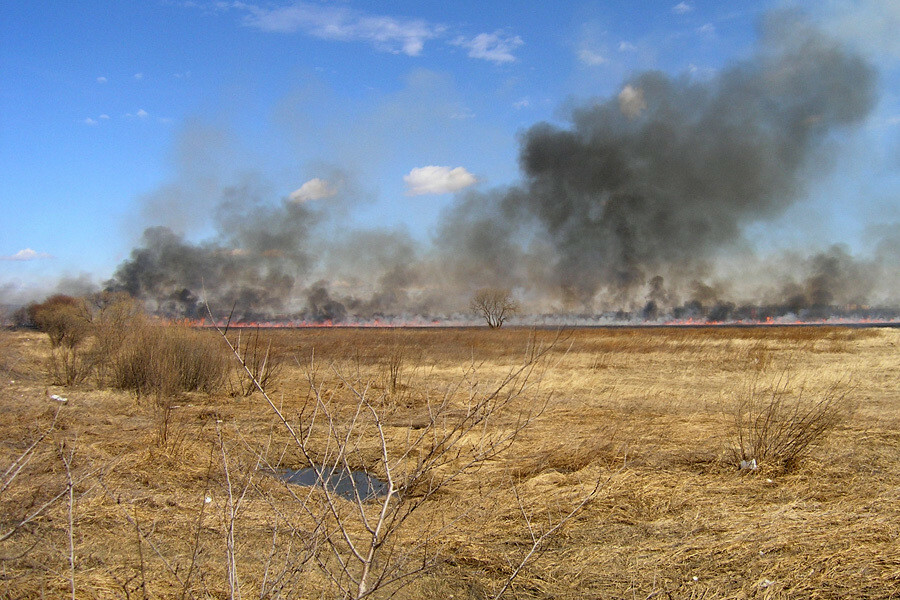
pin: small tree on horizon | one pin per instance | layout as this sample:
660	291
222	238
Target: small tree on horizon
494	305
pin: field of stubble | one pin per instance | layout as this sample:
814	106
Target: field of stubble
575	464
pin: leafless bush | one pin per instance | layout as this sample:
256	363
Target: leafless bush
165	360
394	370
114	318
62	318
776	427
69	365
263	364
367	539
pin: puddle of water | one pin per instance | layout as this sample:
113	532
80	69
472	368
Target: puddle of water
346	484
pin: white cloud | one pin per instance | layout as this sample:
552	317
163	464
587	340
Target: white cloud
343	24
437	180
26	254
314	189
627	47
707	29
102	80
138	76
682	8
143	114
631	101
496	47
591	58
523	103
89	121
104	117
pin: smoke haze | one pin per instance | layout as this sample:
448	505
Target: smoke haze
638	205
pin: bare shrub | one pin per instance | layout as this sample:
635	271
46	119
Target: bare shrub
69	365
494	305
774	426
165	360
114	317
263	363
85	333
62	318
64	321
394	370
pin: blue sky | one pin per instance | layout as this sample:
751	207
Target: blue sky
106	107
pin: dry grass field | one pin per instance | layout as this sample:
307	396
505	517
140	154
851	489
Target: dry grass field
587	463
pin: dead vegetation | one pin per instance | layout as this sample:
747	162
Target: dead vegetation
495	480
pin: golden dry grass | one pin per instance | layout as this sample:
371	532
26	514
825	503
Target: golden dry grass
649	412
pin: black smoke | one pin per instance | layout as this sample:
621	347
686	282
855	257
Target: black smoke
629	208
670	171
253	264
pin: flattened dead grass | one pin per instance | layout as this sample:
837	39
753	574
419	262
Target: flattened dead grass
649	412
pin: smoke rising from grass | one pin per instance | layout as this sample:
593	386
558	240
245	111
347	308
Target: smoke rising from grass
632	205
630	189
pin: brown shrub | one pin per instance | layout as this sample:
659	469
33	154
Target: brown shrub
62	318
165	360
69	365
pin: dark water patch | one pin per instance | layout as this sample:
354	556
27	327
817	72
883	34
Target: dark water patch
344	483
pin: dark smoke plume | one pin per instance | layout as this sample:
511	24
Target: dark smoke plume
629	208
672	169
253	265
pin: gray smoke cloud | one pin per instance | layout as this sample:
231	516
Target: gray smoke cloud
630	206
672	169
252	264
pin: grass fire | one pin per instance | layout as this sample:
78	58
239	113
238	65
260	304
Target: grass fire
591	300
150	459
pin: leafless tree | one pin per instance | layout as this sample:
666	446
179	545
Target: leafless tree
494	305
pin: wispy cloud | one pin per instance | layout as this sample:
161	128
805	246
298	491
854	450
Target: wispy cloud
138	76
437	180
140	114
626	47
89	121
591	58
682	8
496	47
26	254
102	80
340	23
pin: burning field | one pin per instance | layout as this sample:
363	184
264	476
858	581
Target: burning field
287	406
643	206
582	463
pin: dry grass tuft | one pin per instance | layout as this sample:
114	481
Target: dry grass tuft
777	427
